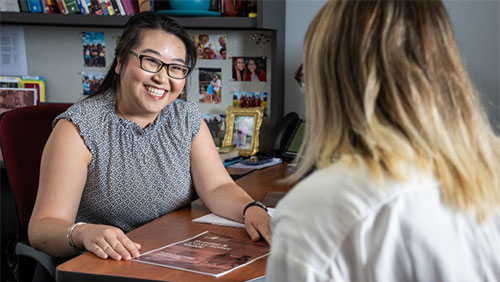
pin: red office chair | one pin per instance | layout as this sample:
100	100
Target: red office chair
23	134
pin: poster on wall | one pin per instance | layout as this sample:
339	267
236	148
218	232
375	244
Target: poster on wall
94	49
247	99
210	47
249	69
210	83
91	81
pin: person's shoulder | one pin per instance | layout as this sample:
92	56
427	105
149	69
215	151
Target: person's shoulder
90	109
180	108
92	103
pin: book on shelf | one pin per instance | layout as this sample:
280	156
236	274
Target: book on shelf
115	7
23	6
11	98
207	253
109	6
120	7
89	6
51	7
71	6
96	7
62	7
131	7
81	7
104	8
35	6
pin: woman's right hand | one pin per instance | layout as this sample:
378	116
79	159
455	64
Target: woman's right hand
105	241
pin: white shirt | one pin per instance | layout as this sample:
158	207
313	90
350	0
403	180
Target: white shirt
339	225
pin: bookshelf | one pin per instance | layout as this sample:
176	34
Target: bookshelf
119	21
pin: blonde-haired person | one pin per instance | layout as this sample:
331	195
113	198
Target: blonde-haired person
407	186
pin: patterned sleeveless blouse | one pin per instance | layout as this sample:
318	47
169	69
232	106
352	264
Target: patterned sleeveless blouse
136	175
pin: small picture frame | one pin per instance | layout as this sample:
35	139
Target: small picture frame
242	129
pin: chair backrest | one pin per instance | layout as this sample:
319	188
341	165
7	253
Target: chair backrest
23	134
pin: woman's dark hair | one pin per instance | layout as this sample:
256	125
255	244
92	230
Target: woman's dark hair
132	36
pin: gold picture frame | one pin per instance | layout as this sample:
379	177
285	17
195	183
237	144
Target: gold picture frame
242	129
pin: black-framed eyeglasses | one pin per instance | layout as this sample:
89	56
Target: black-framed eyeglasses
153	65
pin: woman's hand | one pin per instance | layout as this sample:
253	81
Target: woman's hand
105	241
258	223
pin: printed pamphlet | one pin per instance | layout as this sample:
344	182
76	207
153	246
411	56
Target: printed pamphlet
208	253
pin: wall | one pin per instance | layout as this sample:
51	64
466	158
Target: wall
477	30
476	25
299	15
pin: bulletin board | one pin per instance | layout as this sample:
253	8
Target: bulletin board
57	54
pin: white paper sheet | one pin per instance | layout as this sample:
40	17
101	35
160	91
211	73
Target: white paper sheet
12	51
275	161
214	219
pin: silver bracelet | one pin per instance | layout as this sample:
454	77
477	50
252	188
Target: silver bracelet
70	240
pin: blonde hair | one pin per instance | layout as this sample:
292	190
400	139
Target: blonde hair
384	83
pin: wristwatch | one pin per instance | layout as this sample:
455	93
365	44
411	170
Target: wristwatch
254	203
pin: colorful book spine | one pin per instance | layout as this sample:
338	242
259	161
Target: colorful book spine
35	6
120	7
115	7
51	7
72	6
96	7
109	7
89	6
80	7
102	5
62	6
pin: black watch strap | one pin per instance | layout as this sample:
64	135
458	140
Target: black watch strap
254	203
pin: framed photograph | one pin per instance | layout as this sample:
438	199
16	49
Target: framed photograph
242	129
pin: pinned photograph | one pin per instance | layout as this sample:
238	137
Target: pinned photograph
216	125
210	85
91	81
249	69
94	49
210	47
247	99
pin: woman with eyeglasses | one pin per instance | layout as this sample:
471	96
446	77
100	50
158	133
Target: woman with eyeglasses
129	153
407	178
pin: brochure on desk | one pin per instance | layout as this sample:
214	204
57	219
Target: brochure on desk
208	253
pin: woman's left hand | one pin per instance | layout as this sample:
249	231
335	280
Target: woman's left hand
258	223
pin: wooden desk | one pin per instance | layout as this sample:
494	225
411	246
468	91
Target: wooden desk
171	228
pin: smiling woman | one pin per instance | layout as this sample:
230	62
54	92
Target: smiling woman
108	164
